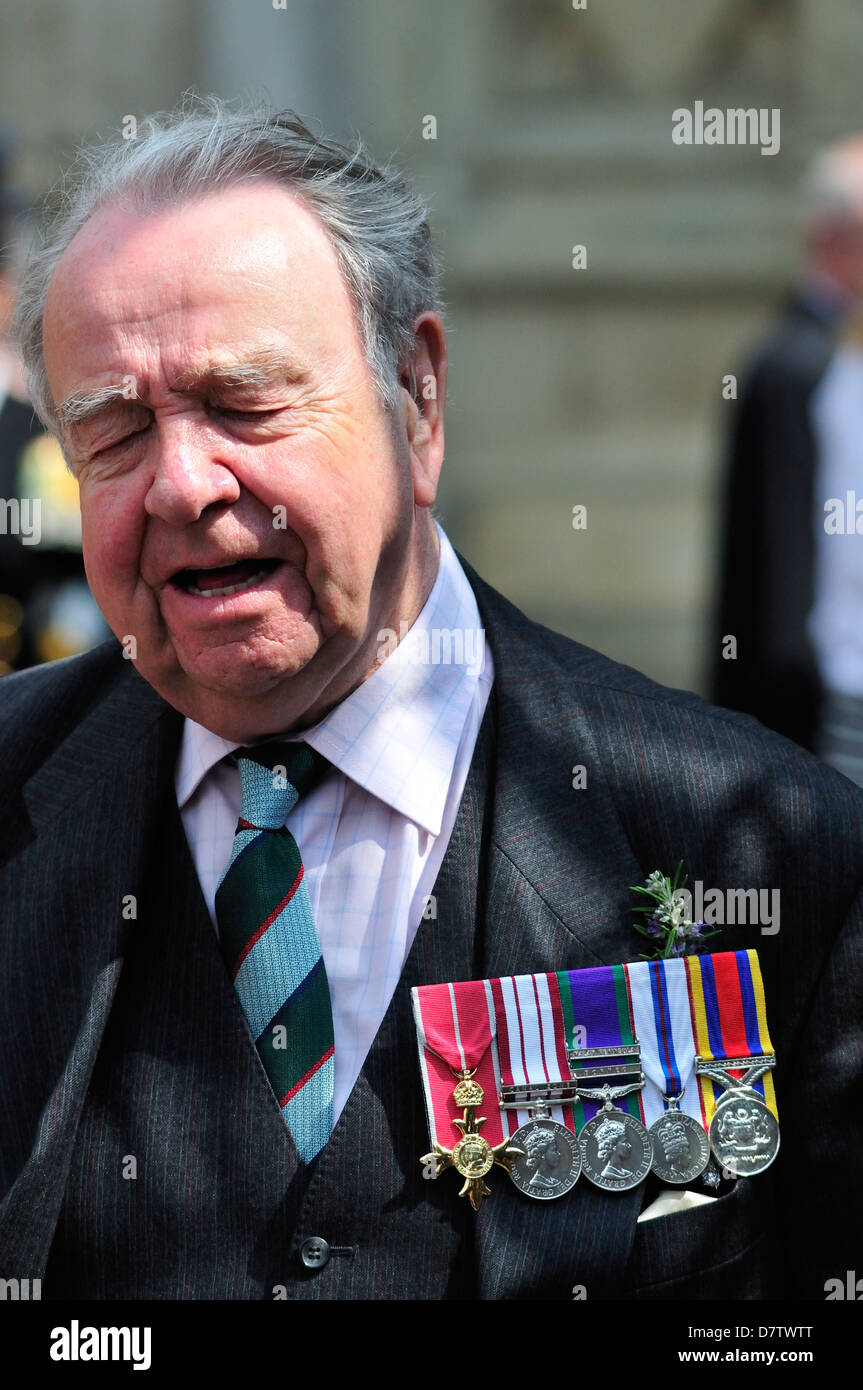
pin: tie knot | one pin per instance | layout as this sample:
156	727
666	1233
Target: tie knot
273	777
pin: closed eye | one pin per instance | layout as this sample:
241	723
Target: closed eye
232	414
124	439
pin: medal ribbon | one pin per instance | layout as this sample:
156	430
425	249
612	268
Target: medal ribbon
455	1028
531	1040
662	1018
597	1000
729	1017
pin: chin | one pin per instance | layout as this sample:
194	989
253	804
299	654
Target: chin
239	712
229	696
247	668
229	681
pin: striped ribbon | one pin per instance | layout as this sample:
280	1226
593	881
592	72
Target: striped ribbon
455	1030
729	1017
597	1001
659	992
531	1039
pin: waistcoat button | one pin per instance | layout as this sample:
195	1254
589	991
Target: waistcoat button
314	1252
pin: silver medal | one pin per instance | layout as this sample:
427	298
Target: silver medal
552	1160
681	1151
744	1135
616	1150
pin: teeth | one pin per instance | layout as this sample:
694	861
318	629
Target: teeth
229	588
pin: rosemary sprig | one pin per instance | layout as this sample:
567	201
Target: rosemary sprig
668	924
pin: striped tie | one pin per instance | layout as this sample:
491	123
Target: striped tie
268	938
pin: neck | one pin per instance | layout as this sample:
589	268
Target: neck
408	593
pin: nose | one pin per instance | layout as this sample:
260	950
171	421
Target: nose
189	476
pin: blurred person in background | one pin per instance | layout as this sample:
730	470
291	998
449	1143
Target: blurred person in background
769	579
835	626
46	608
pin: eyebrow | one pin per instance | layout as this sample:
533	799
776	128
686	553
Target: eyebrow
84	405
263	368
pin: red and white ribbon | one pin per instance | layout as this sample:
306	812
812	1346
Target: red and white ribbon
531	1040
455	1031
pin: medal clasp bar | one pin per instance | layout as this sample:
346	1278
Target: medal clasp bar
764	1060
575	1054
720	1069
588	1064
607	1069
534	1094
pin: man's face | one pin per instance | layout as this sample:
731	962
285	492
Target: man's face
252	535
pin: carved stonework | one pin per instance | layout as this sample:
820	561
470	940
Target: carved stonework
647	47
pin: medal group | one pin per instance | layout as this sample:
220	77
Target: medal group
609	1072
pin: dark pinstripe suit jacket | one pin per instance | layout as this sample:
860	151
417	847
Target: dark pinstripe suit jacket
123	1039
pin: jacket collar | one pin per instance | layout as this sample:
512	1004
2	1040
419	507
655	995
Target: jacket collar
568	843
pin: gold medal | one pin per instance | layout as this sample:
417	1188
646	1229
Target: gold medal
472	1157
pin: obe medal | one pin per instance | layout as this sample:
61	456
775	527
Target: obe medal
472	1157
454	1031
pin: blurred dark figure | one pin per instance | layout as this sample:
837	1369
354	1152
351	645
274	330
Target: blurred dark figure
768	570
46	608
836	620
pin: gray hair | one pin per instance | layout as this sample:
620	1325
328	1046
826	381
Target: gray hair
377	224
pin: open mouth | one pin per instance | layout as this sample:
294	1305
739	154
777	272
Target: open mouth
224	580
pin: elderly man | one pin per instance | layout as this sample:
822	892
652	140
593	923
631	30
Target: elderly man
236	837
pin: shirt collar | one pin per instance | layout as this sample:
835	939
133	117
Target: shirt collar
397	735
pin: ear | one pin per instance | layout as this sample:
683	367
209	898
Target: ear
423	384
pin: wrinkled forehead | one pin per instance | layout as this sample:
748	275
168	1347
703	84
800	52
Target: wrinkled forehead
256	219
228	269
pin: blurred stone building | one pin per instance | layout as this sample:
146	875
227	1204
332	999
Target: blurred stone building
598	386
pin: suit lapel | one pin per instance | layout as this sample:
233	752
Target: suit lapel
562	863
146	1035
69	889
179	1084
